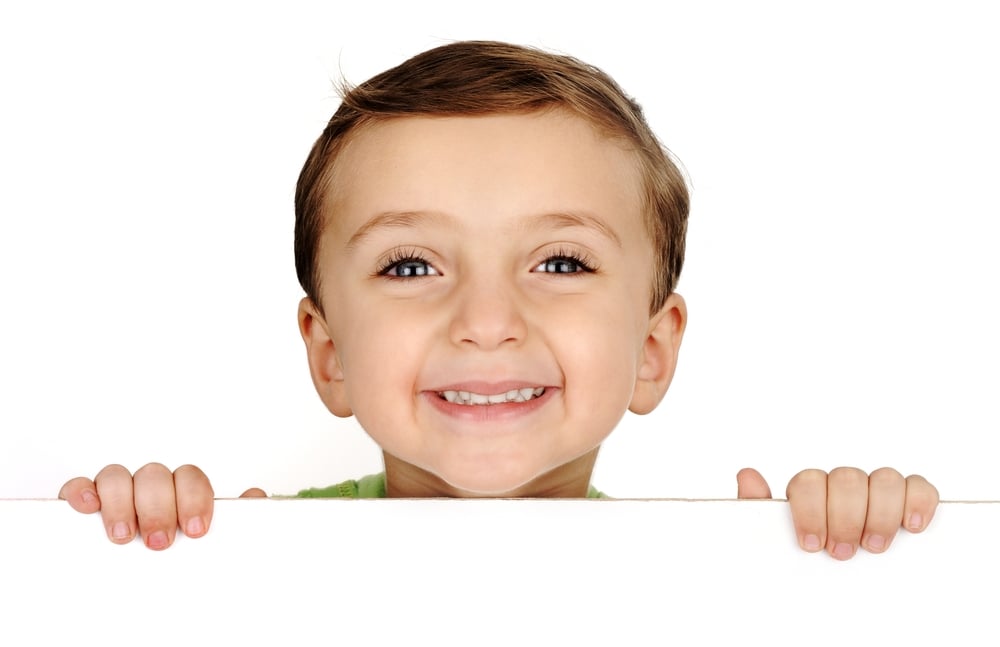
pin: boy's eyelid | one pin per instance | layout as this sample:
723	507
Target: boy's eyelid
572	250
401	254
565	249
583	267
581	255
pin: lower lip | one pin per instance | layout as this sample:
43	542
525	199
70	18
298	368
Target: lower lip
504	411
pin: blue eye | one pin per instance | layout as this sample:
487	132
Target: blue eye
563	265
407	268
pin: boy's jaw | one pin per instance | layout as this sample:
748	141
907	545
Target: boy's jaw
569	480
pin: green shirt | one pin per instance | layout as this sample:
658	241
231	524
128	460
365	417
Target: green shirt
373	487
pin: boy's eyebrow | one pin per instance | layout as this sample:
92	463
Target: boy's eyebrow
390	219
555	220
562	219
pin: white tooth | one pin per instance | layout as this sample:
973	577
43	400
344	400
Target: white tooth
514	395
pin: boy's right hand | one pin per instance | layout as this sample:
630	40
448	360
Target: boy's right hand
154	502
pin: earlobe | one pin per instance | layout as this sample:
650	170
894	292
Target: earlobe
659	355
324	362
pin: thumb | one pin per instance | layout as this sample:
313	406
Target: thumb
81	493
751	485
254	493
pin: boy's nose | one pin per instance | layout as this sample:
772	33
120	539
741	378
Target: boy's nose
487	316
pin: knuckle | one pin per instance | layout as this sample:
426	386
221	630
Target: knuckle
805	482
849	477
922	490
849	532
885	476
809	476
151	518
112	470
189	469
151	468
192	478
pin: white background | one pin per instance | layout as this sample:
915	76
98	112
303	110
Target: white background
841	262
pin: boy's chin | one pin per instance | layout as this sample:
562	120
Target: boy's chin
488	485
511	483
485	481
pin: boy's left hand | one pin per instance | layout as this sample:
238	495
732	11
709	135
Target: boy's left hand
848	508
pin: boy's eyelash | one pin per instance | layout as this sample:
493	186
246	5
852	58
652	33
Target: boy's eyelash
397	256
587	264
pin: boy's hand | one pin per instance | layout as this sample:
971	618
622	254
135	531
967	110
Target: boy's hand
846	508
154	502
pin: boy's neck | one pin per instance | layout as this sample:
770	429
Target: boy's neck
571	480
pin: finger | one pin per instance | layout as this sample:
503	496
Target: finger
806	494
114	489
751	485
254	493
846	510
922	500
155	505
81	493
195	500
886	495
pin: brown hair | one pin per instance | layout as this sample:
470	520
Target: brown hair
483	77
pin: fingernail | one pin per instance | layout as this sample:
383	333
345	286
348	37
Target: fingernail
876	542
916	521
194	527
120	530
810	542
157	540
843	551
88	496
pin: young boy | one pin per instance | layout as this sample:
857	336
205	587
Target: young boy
489	238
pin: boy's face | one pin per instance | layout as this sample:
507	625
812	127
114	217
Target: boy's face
498	258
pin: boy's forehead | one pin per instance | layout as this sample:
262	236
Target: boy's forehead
530	163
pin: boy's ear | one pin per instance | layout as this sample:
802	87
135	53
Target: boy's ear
324	362
659	355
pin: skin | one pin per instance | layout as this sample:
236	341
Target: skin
481	254
484	317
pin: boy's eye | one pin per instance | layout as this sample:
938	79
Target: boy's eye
562	265
408	267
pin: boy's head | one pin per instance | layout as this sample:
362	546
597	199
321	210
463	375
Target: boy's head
489	237
479	78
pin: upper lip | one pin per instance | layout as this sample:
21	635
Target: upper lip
488	388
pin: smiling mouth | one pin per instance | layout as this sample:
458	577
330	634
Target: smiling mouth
470	398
